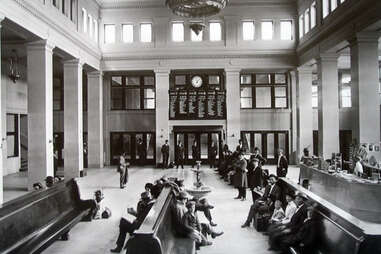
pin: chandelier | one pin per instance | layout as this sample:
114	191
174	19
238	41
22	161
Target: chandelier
196	8
14	74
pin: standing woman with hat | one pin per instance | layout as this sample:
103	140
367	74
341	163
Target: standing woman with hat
240	177
123	170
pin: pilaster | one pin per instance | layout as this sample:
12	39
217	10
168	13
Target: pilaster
233	107
1	128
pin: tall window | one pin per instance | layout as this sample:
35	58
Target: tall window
345	91
133	92
12	135
301	26
90	23
264	90
248	30
315	96
178	31
95	30
215	31
128	33
286	30
313	15
196	37
146	32
63	7
267	30
333	5
307	21
72	10
84	20
110	33
325	7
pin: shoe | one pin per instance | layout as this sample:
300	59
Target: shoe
237	197
243	199
212	224
207	243
245	225
65	237
215	234
116	250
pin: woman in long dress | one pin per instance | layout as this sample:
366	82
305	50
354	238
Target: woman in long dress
123	170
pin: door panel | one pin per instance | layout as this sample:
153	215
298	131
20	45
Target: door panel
204	146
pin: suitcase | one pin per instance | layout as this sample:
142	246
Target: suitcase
261	222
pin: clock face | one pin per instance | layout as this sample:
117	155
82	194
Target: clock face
196	81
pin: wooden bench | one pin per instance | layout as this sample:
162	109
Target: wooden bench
32	222
156	234
338	231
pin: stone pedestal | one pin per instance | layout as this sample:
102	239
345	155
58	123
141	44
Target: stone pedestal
40	111
73	119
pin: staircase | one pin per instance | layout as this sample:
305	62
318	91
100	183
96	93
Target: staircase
24	165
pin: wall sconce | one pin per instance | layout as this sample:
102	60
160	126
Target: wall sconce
14	74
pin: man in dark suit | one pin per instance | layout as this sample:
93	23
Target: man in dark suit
180	155
282	166
165	153
240	148
240	176
293	226
272	192
195	153
212	155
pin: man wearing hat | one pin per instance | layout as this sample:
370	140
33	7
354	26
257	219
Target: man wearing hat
282	166
293	226
254	174
125	226
240	176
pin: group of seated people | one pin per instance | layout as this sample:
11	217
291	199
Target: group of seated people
294	226
183	210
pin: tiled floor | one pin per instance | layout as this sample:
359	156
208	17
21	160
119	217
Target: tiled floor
99	236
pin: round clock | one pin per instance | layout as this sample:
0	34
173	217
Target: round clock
196	81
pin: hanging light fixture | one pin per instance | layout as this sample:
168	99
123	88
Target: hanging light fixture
197	27
14	74
196	8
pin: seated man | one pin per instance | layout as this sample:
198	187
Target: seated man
125	226
262	205
305	238
293	226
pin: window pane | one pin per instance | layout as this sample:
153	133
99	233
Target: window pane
313	15
325	4
280	102
109	33
149	81
214	79
215	32
262	79
315	102
280	79
133	98
246	102
263	97
90	22
117	98
246	142
145	32
301	25
84	20
246	92
267	30
128	33
116	81
180	80
11	123
150	146
346	78
333	5
248	30
270	146
132	81
286	30
258	140
246	79
307	21
314	96
127	145
11	143
195	37
280	92
178	32
149	103
95	30
149	93
346	102
282	141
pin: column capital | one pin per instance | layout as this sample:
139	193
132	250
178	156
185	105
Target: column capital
40	45
95	74
73	62
232	70
162	70
365	36
327	57
304	69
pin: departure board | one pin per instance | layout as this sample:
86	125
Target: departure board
197	105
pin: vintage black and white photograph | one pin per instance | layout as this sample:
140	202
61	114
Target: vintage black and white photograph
190	126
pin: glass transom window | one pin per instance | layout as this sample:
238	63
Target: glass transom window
146	32
178	32
128	33
286	30
109	33
267	30
248	30
215	31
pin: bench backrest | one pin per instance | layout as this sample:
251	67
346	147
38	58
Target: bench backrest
156	234
21	218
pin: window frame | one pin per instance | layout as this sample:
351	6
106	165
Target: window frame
140	32
14	133
141	86
272	85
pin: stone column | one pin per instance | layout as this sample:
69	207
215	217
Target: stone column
162	110
73	119
233	108
328	110
40	111
95	119
294	155
2	141
304	110
364	86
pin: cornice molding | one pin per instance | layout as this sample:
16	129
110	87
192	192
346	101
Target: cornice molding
25	5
